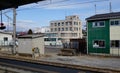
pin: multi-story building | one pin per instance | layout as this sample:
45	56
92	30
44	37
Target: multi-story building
44	29
103	33
49	38
67	29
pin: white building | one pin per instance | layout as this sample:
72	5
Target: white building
44	29
49	38
67	29
5	38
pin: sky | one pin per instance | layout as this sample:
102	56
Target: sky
39	14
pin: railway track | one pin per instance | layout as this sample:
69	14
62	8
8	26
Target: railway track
47	67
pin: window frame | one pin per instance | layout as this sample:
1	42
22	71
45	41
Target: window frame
114	22
98	44
98	24
114	42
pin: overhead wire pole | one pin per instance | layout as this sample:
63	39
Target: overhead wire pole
14	31
95	9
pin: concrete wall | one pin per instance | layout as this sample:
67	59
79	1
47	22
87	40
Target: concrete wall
38	42
25	46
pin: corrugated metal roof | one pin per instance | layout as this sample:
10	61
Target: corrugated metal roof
112	15
4	4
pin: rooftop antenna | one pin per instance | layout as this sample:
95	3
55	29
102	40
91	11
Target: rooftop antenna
110	7
95	9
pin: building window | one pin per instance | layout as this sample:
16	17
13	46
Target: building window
5	38
58	24
70	28
58	29
62	23
70	23
55	29
62	29
115	43
55	24
99	24
98	44
74	34
75	23
66	29
66	23
76	28
51	29
49	39
115	22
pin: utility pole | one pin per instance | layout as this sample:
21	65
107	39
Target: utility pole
95	9
110	7
14	31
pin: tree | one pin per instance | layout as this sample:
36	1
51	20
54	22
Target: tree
30	31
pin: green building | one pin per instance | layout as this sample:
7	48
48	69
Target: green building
103	33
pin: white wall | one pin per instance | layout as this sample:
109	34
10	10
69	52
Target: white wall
115	35
2	35
39	42
25	46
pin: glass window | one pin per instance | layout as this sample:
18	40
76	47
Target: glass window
51	29
58	24
66	29
58	29
115	43
62	23
70	23
70	28
5	38
112	22
98	24
101	23
62	29
55	24
115	22
55	29
98	44
76	28
66	23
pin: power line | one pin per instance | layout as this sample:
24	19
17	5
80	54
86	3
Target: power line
83	3
62	5
43	4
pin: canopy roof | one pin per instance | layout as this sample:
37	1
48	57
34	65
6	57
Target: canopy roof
5	4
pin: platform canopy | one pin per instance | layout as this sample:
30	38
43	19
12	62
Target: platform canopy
5	4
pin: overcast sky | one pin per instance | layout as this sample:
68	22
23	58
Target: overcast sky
40	14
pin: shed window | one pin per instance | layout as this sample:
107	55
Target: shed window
115	43
98	44
98	24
